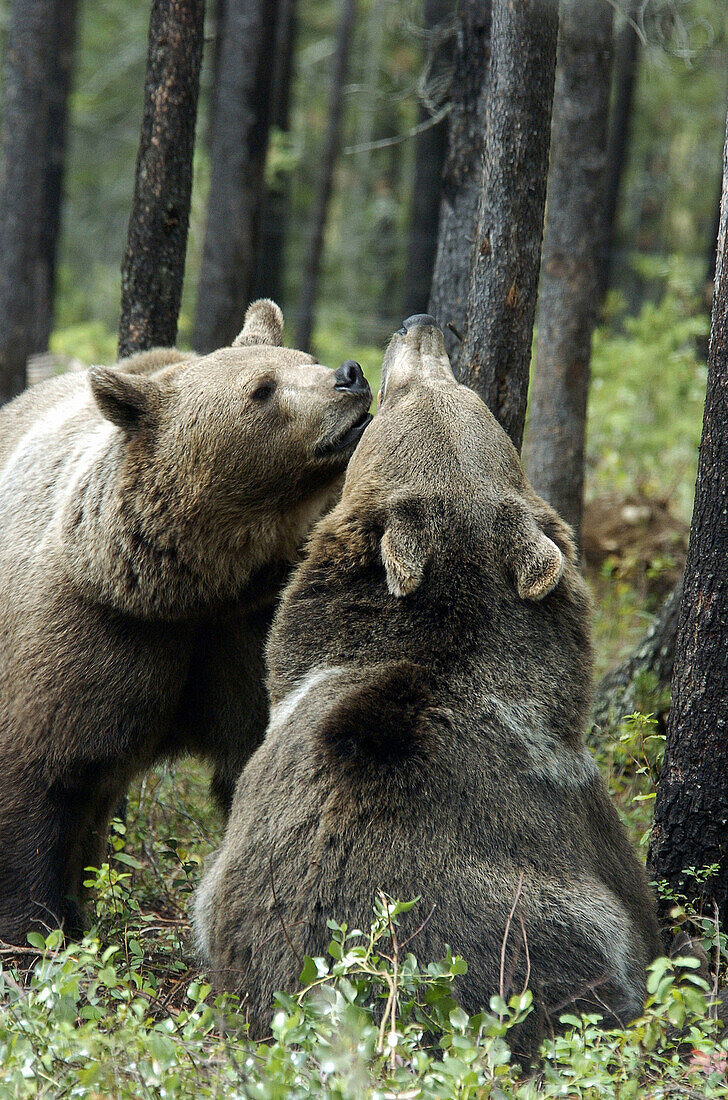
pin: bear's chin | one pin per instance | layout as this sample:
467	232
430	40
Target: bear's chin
343	444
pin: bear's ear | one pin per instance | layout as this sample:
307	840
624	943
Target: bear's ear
537	561
127	400
404	549
263	325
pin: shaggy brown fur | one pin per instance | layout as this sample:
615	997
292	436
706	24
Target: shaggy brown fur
429	675
147	522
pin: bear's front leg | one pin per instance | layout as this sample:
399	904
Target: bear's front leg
224	710
34	834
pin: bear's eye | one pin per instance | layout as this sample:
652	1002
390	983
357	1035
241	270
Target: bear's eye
264	391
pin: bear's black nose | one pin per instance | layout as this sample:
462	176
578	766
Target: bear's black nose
416	320
350	377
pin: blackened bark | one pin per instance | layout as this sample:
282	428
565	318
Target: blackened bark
617	694
238	150
626	63
495	356
463	173
22	166
58	88
319	212
691	809
430	152
154	263
571	250
268	278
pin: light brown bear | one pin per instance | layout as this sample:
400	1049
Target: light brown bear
429	678
147	522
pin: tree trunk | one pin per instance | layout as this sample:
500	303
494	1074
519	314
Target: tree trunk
691	810
239	146
58	88
494	359
648	668
626	63
268	279
153	269
319	212
463	174
21	183
572	240
430	152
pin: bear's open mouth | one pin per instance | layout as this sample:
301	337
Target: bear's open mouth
348	438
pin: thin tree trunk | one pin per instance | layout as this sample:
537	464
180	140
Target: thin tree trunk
430	151
463	174
58	85
569	276
494	359
22	177
691	810
268	279
153	269
320	209
626	64
239	146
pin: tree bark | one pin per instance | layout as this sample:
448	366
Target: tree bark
463	173
691	810
268	279
626	64
430	151
153	269
58	88
494	359
22	177
320	209
571	249
238	151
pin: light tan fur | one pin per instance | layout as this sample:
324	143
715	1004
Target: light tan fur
147	522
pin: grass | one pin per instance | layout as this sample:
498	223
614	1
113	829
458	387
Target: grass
128	1014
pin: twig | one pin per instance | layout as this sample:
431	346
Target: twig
519	888
628	19
298	958
528	954
417	931
454	331
397	139
716	922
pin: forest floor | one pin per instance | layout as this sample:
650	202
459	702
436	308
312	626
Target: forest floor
129	1014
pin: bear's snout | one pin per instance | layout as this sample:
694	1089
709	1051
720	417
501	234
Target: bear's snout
350	378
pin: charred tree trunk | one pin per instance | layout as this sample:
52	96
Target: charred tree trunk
238	150
268	280
22	177
154	263
572	238
626	63
463	173
430	152
691	810
320	209
494	359
58	85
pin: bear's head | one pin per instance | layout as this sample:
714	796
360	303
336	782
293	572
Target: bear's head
227	460
439	530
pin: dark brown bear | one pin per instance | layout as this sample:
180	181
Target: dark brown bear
147	522
429	676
